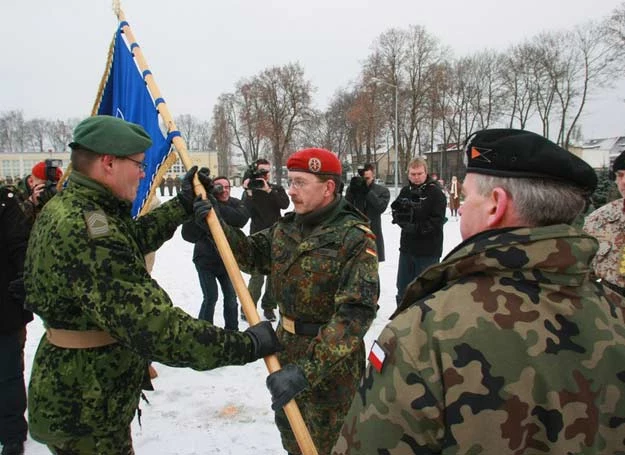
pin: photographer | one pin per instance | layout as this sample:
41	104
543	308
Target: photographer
14	232
39	187
372	200
208	263
264	201
420	212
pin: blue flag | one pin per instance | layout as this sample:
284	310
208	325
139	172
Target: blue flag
126	95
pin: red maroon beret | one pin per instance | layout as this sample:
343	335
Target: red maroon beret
315	161
39	171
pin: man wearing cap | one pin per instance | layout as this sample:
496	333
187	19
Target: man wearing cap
323	267
607	224
506	346
86	277
37	188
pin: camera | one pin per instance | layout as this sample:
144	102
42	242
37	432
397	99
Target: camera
217	189
256	177
52	170
361	172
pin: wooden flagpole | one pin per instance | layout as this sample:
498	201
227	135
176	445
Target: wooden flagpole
249	309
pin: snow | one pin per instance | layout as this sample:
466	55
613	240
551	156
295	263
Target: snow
227	410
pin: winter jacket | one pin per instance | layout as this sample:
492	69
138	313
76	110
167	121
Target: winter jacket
14	232
505	347
265	207
205	254
85	270
372	202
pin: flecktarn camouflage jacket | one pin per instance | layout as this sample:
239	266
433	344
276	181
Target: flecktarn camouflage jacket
607	225
85	270
506	347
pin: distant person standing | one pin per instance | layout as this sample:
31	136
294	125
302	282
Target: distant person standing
420	212
372	200
607	224
177	183
455	189
264	200
209	265
161	187
170	184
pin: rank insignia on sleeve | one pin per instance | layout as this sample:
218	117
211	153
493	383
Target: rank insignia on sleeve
97	224
372	252
377	356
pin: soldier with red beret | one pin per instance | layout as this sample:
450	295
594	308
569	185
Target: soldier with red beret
323	266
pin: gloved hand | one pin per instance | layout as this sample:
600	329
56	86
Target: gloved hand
17	291
264	340
187	192
358	185
285	384
201	209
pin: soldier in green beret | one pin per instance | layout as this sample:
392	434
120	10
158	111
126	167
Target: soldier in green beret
86	277
507	346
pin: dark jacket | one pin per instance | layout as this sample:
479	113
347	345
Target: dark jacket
423	235
14	232
205	254
265	207
372	203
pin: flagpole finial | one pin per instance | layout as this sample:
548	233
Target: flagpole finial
117	7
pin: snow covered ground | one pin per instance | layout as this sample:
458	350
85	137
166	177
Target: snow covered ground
224	411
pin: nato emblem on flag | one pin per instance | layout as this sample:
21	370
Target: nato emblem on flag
126	96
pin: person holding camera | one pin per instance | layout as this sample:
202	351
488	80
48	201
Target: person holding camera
208	262
36	189
14	231
105	316
419	210
264	201
372	200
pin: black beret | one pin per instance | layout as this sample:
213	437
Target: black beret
108	135
519	153
618	165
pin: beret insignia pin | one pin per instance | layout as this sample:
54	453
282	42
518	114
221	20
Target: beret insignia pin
314	164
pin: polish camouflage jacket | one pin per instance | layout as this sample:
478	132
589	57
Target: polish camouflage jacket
607	225
328	277
506	347
85	270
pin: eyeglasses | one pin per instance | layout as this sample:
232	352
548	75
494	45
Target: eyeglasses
140	164
300	184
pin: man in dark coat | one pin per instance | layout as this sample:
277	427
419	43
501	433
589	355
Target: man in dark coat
210	267
14	231
372	200
420	212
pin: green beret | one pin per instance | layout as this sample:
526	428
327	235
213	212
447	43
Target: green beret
108	135
520	153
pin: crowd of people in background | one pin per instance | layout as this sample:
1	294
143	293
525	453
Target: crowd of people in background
521	325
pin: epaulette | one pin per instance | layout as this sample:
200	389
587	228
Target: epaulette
369	233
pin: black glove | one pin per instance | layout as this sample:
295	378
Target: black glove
186	194
264	340
204	175
285	384
17	291
201	209
358	185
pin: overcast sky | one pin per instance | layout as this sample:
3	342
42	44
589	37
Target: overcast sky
54	52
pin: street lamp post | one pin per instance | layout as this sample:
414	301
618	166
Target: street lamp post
396	130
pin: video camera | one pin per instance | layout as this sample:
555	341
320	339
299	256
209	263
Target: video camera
403	211
52	169
255	176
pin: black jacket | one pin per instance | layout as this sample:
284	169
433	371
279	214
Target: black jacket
205	254
14	232
372	203
423	234
265	207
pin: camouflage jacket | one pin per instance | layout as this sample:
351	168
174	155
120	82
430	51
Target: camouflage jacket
507	348
607	224
85	270
328	277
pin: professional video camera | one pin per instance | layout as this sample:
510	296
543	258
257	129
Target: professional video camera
255	176
52	178
403	211
52	170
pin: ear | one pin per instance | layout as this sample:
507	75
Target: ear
331	187
107	163
498	211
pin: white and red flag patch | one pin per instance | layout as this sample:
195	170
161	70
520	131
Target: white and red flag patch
377	356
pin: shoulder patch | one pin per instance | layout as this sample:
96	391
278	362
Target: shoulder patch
366	230
377	356
97	224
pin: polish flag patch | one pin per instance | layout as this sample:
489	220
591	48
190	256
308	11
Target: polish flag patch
377	356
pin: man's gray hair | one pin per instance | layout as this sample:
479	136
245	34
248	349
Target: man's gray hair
537	202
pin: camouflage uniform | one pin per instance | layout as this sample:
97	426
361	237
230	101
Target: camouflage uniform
508	348
327	276
95	278
607	224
